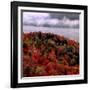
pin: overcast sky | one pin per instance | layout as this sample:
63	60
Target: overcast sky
71	16
61	19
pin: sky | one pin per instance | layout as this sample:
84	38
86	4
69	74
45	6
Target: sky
61	19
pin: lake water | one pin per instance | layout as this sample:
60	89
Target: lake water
71	33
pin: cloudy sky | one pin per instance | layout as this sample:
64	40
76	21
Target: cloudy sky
61	19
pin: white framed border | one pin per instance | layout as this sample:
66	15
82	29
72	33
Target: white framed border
52	78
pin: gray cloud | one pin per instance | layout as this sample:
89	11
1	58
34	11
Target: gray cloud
62	19
71	16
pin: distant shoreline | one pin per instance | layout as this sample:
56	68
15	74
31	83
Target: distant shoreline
71	33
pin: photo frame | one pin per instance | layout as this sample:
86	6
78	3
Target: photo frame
48	44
